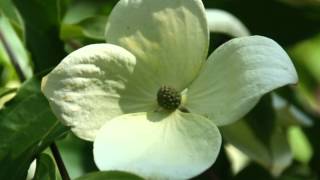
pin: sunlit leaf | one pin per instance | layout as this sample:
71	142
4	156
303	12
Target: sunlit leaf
5	91
16	47
8	9
6	94
300	145
306	56
7	72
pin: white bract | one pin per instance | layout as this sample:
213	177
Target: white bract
109	93
220	21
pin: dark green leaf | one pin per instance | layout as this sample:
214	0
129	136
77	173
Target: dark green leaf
312	132
262	119
45	168
109	175
260	137
298	172
313	136
272	18
80	10
42	25
77	155
93	28
306	58
27	126
221	168
217	39
253	171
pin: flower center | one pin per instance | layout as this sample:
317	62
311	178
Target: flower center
168	98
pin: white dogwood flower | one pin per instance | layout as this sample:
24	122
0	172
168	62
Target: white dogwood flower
150	99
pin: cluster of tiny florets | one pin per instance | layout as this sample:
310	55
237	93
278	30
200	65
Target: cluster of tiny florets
168	98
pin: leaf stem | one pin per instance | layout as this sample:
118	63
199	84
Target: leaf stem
62	169
12	58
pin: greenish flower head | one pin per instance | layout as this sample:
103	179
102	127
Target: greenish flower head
110	93
168	98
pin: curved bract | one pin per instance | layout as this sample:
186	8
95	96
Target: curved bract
236	75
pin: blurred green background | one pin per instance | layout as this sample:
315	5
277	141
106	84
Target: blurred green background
278	139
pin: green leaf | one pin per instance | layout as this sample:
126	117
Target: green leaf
45	168
80	10
253	171
77	155
42	25
298	172
110	175
300	145
288	114
311	133
5	91
27	126
7	72
306	55
221	168
16	46
6	94
92	28
260	137
284	23
8	9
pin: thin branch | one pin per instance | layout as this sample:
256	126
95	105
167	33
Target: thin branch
62	169
12	58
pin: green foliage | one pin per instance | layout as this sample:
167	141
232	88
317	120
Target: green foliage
27	126
77	155
84	22
281	143
8	9
111	175
80	10
273	18
42	25
92	28
16	46
6	91
261	138
45	168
